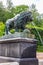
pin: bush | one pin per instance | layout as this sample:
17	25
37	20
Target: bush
40	48
40	41
2	28
12	31
37	31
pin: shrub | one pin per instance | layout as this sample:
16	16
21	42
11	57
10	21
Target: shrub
40	48
2	28
12	31
38	32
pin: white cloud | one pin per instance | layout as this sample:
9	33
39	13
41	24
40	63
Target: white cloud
26	2
4	1
39	6
39	3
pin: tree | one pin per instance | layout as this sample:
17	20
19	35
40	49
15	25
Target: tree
20	8
37	24
9	4
1	5
35	13
2	11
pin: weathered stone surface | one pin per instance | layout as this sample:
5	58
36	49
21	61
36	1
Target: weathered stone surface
17	35
21	50
18	48
29	61
10	63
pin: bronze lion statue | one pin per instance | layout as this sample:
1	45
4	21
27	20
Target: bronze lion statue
19	21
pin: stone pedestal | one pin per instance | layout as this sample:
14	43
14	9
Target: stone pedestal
21	50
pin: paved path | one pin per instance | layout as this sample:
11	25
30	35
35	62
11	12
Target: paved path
41	62
40	58
40	55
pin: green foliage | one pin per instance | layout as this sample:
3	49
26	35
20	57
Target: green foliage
9	13
40	41
12	31
9	4
4	15
40	48
2	28
1	4
35	30
20	8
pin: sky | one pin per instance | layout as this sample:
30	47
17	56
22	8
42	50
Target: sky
38	3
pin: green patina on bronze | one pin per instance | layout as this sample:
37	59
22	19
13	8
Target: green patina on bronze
20	20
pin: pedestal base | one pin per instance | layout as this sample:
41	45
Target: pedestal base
29	61
22	61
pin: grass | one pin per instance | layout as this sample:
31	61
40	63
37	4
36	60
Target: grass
40	48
